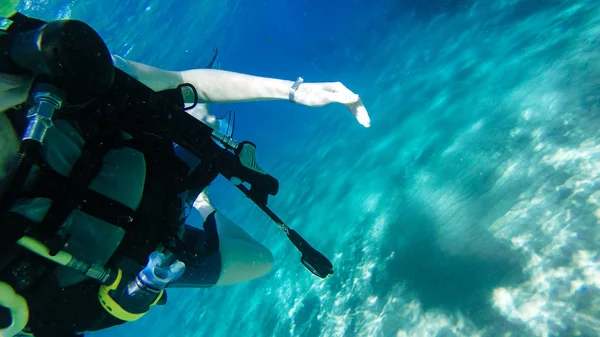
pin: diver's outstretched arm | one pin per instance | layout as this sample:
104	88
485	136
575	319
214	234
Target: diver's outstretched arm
219	86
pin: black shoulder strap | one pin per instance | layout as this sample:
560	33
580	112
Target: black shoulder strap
51	185
76	185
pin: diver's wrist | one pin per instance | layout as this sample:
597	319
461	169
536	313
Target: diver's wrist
294	88
282	89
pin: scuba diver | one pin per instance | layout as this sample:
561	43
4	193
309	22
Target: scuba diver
102	169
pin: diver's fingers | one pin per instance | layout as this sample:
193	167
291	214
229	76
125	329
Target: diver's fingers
340	93
360	112
345	98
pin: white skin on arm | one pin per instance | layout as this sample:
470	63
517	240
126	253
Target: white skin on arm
219	86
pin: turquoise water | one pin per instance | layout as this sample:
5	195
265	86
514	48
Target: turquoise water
471	207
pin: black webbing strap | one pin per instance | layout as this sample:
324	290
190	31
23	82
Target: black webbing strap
49	185
72	193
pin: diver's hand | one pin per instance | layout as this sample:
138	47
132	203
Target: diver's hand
320	94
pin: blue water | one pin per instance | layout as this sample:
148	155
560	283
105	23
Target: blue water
471	207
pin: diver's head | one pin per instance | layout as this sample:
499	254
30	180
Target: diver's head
68	54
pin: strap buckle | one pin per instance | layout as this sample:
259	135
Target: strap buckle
294	88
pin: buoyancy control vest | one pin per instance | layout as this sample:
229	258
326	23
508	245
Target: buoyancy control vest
128	118
72	193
